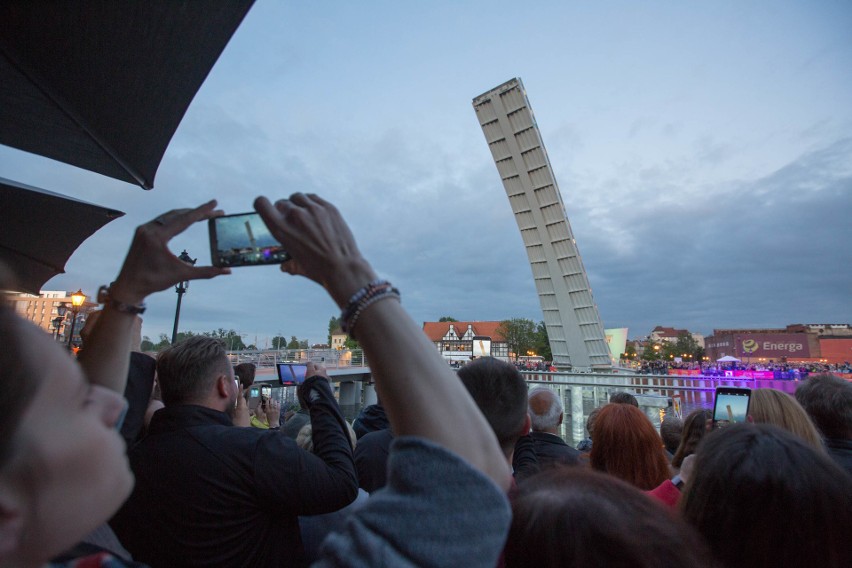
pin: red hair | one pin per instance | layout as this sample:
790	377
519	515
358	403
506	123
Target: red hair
625	444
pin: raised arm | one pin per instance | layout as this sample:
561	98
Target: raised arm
149	267
421	394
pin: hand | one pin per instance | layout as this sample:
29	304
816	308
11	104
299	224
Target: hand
150	266
315	370
686	467
241	416
320	242
273	411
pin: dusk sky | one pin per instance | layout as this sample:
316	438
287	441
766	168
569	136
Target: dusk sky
703	151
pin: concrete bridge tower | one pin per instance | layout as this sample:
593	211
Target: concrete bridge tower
573	323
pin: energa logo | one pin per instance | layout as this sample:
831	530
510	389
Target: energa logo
750	346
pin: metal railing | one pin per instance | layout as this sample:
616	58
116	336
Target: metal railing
331	358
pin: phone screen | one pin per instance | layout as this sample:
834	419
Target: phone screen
731	406
243	240
291	373
265	392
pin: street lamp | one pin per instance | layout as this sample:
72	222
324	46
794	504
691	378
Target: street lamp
77	299
181	289
61	309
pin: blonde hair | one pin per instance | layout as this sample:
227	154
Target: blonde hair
770	406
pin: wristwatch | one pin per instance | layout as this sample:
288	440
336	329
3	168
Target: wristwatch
677	482
104	298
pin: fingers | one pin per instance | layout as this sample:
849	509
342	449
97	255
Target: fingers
178	220
206	272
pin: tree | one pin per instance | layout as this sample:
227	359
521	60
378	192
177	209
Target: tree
279	342
333	324
519	333
232	340
542	342
652	351
147	344
687	345
447	318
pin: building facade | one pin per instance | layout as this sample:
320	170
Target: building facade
808	343
42	310
462	341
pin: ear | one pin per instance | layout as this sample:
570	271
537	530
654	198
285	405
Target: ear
525	429
11	524
223	386
561	416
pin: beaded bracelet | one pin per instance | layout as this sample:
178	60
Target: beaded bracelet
361	295
390	293
366	296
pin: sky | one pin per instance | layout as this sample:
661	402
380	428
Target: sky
703	151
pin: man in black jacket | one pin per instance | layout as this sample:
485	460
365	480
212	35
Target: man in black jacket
546	412
211	494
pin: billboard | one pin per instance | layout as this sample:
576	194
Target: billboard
771	345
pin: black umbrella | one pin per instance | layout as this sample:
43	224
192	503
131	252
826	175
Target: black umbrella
41	229
103	85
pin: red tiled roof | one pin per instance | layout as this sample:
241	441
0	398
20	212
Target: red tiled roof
436	330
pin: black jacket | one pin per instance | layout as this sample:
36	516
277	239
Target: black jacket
211	494
371	459
551	449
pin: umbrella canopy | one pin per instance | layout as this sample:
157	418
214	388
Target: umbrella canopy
103	85
44	230
728	359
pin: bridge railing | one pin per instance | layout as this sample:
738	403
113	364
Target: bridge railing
331	358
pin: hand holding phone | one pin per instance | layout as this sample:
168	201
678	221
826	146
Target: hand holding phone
731	406
265	393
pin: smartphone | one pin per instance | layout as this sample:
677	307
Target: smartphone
731	406
254	392
243	240
290	374
265	393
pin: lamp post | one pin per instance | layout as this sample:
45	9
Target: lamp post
77	299
181	289
61	309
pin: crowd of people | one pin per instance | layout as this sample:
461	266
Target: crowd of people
102	465
780	370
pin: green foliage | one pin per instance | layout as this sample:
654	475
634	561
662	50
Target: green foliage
651	354
542	342
447	318
147	344
333	324
279	342
519	333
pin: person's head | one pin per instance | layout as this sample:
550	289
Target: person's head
694	428
546	410
828	400
197	371
627	446
670	431
748	477
572	516
500	392
770	406
245	372
63	467
590	420
623	398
